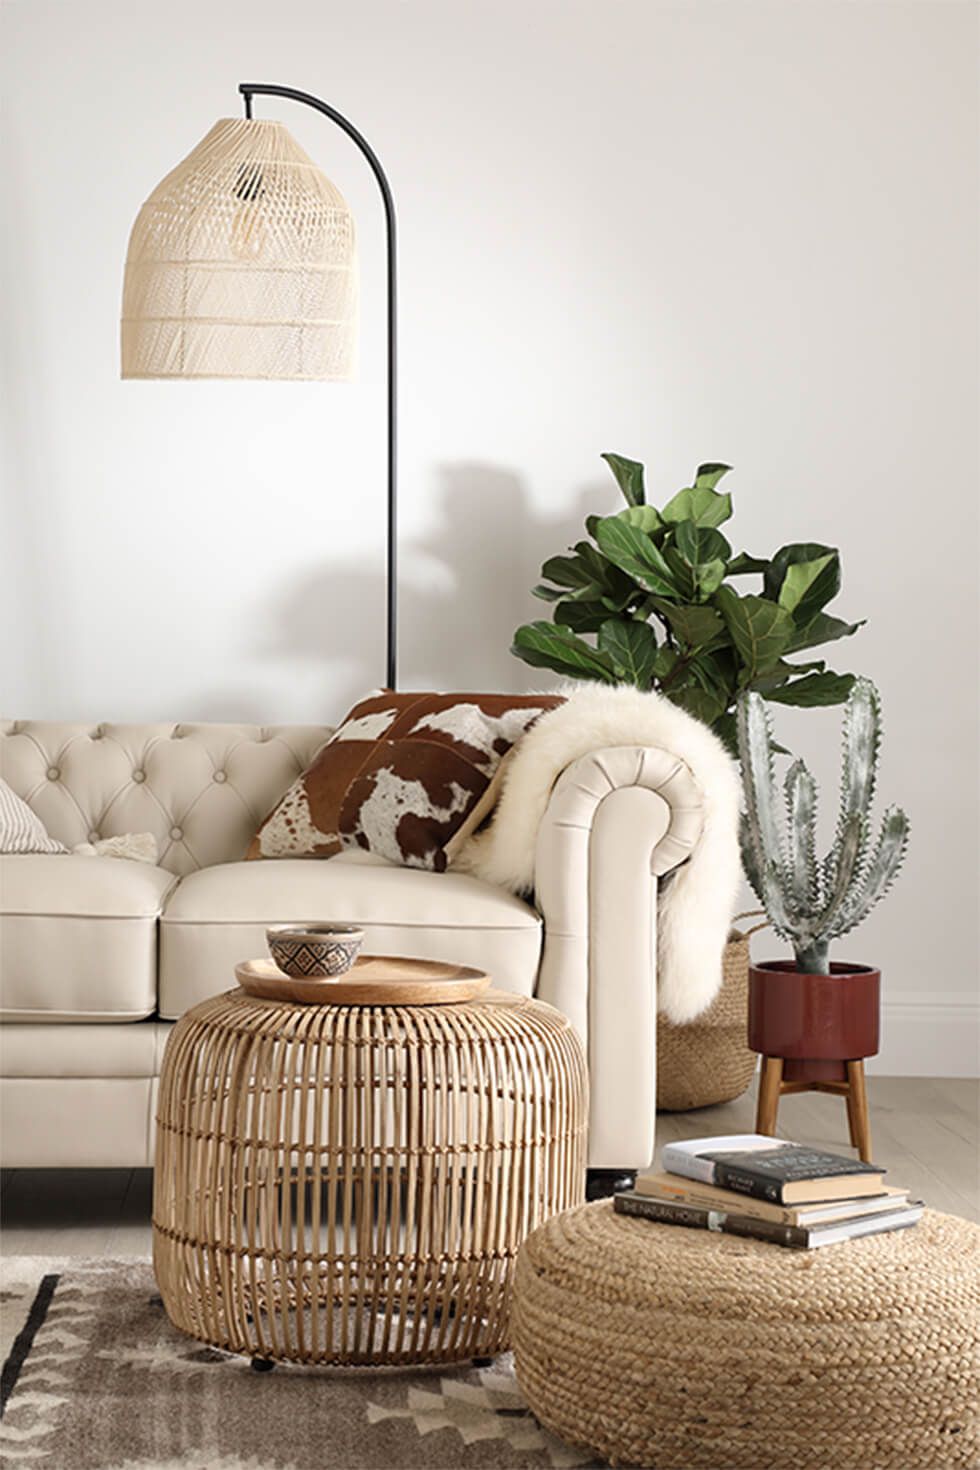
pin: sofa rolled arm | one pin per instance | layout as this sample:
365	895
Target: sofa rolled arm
618	820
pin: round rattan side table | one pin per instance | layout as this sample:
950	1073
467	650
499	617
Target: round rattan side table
691	1350
351	1184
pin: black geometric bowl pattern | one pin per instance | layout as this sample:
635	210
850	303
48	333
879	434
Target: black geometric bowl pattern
307	956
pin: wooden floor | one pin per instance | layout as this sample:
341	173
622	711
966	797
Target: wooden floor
925	1131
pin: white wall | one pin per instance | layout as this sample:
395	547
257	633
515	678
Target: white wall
683	231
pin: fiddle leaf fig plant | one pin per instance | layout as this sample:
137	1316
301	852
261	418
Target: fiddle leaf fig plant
649	600
810	902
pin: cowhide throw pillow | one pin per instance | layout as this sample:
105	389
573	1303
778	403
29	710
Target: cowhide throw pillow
401	777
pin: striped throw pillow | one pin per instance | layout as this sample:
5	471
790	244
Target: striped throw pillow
22	830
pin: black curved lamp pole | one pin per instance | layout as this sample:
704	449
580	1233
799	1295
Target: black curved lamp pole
261	89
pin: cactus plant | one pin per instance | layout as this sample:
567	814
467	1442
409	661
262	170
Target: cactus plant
808	902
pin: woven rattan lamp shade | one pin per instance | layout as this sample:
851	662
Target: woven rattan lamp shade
241	264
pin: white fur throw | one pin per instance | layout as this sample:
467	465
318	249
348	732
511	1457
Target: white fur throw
697	900
141	847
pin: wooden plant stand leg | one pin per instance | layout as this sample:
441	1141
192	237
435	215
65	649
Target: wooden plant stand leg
770	1085
857	1110
772	1088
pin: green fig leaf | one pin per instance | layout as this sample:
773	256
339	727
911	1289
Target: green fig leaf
698	702
665	662
636	555
807	585
550	646
594	562
582	617
699	545
567	571
605	575
632	647
708	475
629	477
683	575
708	579
700	504
643	517
787	556
742	564
712	675
821	629
694	627
780	673
760	630
813	690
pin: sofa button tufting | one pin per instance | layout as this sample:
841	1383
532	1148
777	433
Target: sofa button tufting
53	773
176	834
93	837
139	776
220	776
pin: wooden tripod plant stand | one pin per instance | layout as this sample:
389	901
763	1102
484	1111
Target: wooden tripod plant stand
772	1087
814	1031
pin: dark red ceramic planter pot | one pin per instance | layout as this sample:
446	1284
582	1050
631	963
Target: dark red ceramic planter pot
816	1023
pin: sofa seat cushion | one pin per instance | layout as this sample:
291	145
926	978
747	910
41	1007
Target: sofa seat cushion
55	1052
78	937
218	916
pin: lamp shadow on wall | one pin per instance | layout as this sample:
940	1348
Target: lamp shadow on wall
486	548
463	589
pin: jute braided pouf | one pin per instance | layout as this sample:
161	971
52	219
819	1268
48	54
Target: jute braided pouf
683	1349
351	1184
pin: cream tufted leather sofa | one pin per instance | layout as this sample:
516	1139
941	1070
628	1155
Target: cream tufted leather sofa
98	956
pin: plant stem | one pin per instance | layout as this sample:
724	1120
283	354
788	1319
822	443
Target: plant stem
681	664
814	958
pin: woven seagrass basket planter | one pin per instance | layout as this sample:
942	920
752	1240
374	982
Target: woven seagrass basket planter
709	1060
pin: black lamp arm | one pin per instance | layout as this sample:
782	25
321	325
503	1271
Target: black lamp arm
249	90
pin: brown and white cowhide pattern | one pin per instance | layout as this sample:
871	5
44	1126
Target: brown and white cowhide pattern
405	777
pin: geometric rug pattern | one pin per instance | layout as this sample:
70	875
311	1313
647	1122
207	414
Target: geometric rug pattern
95	1377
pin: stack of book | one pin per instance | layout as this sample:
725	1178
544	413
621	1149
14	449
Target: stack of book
786	1193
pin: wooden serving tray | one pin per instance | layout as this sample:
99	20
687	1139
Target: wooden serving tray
373	980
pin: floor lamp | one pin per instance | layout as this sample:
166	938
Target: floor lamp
241	264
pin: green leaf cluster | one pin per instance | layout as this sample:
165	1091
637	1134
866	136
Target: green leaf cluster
648	600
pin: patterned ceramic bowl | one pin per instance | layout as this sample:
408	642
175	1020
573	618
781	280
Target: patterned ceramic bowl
309	950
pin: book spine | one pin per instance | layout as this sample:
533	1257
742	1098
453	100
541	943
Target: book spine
711	1198
743	1181
665	1212
689	1166
793	1236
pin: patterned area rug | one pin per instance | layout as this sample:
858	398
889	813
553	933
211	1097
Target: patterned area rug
96	1378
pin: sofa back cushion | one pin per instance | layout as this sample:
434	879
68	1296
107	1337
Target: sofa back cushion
202	790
